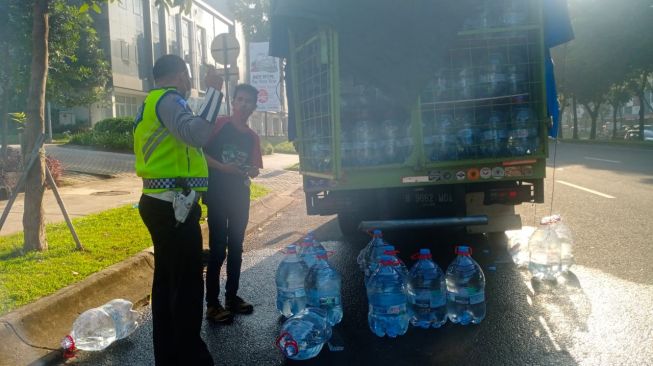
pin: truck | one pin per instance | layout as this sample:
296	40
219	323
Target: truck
420	113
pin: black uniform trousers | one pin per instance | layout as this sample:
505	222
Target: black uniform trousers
178	286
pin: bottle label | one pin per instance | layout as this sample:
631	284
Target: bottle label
464	299
291	293
389	310
328	301
477	298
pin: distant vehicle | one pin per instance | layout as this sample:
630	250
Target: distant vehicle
634	134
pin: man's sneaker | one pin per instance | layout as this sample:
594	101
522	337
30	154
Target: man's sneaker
219	314
239	306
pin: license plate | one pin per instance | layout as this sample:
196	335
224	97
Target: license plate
429	197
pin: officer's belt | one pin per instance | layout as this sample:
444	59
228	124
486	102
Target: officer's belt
172	183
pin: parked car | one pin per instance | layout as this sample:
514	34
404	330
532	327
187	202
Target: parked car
634	134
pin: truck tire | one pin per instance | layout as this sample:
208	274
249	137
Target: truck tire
348	223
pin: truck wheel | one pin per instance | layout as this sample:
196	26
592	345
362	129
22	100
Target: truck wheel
348	223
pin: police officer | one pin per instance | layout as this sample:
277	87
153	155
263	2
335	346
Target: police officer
167	144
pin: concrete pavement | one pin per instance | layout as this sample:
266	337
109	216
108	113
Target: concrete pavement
100	181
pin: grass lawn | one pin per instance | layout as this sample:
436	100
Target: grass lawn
108	237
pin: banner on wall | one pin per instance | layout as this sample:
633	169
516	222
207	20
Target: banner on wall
265	76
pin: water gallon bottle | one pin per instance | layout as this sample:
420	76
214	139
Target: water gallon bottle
445	145
290	276
323	285
467	134
465	289
517	71
303	335
308	249
494	139
95	329
375	262
386	296
492	80
377	241
523	139
427	291
545	252
515	13
566	241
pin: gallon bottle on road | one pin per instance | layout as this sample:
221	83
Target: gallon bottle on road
323	285
465	289
95	329
427	293
308	249
375	262
290	276
545	252
386	296
304	334
377	241
566	241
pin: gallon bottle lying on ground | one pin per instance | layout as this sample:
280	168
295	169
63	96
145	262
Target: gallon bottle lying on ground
95	329
303	335
427	293
465	289
290	276
323	285
386	296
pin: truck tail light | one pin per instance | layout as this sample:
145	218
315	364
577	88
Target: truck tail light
513	195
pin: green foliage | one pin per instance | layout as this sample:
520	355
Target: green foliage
266	148
286	147
118	125
108	237
123	142
254	15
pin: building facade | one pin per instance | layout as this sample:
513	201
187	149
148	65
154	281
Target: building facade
135	33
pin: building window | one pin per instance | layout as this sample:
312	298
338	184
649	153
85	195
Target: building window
138	7
185	40
200	39
172	35
124	51
127	106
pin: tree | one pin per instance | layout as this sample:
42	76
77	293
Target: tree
617	96
34	228
255	17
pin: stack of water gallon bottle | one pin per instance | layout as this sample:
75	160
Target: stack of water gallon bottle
548	253
308	294
424	297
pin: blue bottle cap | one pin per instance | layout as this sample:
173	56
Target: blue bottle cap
424	251
377	232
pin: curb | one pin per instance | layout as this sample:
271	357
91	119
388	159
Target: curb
31	334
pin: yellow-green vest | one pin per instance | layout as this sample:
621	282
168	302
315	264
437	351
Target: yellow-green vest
163	161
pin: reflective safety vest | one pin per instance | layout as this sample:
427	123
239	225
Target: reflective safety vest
164	162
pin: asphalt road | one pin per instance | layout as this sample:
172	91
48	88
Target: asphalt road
600	314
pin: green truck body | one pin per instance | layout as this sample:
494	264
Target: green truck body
460	142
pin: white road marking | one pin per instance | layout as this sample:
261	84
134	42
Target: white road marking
605	160
585	189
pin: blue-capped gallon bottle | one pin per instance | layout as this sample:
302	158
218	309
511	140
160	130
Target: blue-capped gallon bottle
545	251
290	276
465	289
386	296
427	293
377	240
323	284
304	334
375	262
308	249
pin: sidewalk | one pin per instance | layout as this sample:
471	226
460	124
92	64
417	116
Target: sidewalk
31	332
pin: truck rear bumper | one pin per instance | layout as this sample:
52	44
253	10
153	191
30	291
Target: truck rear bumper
423	223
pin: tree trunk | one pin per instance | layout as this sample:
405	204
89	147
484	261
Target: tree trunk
594	115
33	225
642	112
615	110
563	106
4	99
575	112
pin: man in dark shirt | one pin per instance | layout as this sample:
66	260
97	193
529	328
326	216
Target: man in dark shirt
234	156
